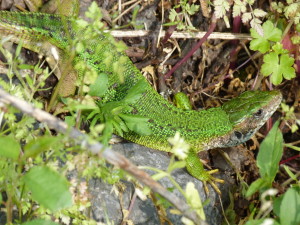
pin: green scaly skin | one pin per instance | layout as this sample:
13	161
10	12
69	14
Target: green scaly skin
233	123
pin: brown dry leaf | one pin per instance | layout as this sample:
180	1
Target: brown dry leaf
236	85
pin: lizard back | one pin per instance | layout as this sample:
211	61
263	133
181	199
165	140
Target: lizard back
197	127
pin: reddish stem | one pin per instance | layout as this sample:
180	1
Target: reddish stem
236	28
288	159
195	48
168	34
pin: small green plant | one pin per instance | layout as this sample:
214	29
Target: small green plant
277	62
240	8
285	206
181	19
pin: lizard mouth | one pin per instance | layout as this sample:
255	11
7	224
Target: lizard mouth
246	129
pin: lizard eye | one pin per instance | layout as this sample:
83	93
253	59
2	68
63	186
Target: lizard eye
258	113
238	134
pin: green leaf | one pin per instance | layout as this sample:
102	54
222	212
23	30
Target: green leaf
278	67
41	144
271	67
292	147
25	67
261	43
286	66
9	147
48	188
93	12
136	91
137	124
40	222
19	48
117	128
270	153
256	186
107	132
278	48
290	173
276	205
177	165
193	199
70	120
290	207
100	86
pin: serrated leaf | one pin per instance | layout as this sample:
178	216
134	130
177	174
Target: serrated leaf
259	13
172	15
238	8
48	188
290	207
40	222
270	153
278	67
291	9
271	67
256	25
270	33
100	86
278	48
9	147
286	66
246	17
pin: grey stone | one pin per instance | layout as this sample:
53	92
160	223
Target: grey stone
107	203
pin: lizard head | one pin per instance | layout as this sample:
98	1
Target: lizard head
248	112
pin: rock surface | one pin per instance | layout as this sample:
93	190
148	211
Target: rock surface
107	205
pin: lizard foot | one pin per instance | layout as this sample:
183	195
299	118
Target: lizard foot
212	181
196	169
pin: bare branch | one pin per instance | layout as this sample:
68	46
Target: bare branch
176	34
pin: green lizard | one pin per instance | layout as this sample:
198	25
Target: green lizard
229	125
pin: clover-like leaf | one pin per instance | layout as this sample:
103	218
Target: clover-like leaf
278	48
262	43
278	67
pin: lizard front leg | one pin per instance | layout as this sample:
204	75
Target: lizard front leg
195	167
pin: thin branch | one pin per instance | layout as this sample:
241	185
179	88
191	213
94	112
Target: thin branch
97	148
176	34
